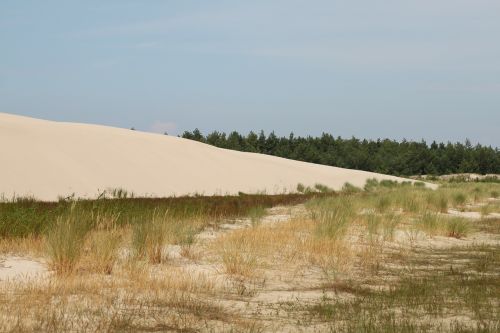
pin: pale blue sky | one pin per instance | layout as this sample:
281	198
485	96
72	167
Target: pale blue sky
414	68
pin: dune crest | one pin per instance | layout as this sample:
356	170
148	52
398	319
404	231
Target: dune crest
48	159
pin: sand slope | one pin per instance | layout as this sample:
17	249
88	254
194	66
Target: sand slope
49	159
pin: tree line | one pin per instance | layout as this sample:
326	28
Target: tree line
386	156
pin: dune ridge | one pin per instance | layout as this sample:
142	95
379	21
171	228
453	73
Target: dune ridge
48	160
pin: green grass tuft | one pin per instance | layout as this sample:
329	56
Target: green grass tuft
457	227
64	241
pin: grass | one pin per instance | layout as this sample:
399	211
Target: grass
389	225
323	188
350	189
373	223
64	241
423	300
103	246
256	214
238	257
459	199
149	238
333	216
24	218
383	203
371	184
340	263
438	201
144	303
434	224
457	227
430	223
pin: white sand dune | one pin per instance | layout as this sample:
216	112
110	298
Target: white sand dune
47	159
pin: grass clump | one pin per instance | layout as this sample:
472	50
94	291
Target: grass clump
383	203
389	224
438	201
433	224
103	251
371	184
459	199
119	193
430	223
149	237
333	217
322	188
388	183
64	241
239	254
373	223
442	203
348	188
256	214
485	210
457	227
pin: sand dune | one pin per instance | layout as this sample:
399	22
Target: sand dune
47	159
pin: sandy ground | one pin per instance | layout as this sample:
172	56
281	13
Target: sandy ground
13	268
17	268
266	297
48	159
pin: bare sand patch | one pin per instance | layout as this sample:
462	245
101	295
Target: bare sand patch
13	268
48	160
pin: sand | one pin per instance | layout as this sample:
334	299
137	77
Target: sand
14	268
48	160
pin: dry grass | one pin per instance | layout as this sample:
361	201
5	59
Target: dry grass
102	251
149	238
345	253
90	304
247	252
29	245
65	241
